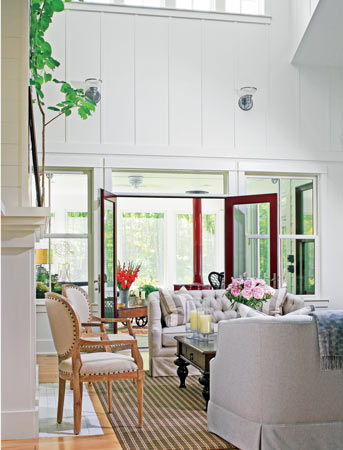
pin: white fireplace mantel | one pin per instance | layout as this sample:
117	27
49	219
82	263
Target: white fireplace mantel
21	228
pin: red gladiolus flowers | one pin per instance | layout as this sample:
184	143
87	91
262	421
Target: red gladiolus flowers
127	275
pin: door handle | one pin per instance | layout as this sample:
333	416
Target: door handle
273	281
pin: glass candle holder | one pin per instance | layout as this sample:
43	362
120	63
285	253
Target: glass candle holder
191	318
205	323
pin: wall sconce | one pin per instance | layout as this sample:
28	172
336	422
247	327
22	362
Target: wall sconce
245	101
93	89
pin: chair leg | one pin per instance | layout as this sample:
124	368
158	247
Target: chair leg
77	407
61	391
140	381
81	395
109	392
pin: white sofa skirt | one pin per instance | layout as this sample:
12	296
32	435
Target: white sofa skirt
248	435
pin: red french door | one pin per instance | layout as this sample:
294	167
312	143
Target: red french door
250	239
251	232
108	280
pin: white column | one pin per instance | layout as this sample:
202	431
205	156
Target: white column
19	407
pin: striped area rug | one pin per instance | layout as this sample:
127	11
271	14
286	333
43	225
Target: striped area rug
173	418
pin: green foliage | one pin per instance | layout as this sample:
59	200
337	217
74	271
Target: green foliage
41	289
148	289
145	215
77	214
42	63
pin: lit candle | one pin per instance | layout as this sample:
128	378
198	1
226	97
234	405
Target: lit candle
143	295
194	320
205	324
137	293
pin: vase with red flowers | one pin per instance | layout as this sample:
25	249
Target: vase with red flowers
126	276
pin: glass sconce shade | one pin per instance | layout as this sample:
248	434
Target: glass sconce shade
93	89
245	101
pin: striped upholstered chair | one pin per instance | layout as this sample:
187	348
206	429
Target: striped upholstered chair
80	300
81	367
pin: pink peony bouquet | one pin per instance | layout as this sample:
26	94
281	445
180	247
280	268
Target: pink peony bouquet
250	291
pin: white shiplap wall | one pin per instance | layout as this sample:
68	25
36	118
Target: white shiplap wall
167	81
170	87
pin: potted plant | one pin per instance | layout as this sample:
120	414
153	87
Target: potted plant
42	65
126	276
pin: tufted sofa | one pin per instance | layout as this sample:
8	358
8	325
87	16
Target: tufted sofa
162	345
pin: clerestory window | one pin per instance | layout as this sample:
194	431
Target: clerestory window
253	7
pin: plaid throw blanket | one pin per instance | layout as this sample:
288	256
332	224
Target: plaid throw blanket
330	338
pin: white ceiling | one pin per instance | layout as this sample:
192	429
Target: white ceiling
322	43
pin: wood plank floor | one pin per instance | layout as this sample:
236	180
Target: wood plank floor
48	374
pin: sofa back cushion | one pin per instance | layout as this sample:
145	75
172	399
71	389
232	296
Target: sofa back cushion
216	299
173	305
292	303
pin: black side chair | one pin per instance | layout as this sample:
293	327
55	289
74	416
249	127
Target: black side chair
217	280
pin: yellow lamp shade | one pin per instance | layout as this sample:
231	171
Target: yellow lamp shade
42	256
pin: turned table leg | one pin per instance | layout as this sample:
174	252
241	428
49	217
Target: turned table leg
205	382
182	371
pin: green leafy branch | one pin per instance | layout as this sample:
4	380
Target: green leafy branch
42	65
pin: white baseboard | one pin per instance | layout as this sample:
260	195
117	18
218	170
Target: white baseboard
19	424
45	347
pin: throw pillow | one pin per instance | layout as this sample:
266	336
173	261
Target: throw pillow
173	308
273	306
247	311
306	310
192	305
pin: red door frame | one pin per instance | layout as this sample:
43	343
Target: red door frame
230	202
108	196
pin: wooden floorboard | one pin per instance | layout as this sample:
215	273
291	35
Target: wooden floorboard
48	373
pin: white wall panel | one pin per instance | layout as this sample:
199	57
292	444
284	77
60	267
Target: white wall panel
219	97
83	61
174	82
56	34
252	70
282	110
301	11
117	68
336	109
151	78
185	82
315	108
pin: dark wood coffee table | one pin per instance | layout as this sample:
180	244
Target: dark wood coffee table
198	354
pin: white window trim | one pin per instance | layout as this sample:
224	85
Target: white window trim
88	236
314	236
165	12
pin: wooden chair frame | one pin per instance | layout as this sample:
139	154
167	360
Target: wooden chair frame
77	379
95	321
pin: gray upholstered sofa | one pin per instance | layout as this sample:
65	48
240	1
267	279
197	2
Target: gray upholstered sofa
162	345
267	390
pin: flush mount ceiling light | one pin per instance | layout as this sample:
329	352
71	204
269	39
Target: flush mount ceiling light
245	101
93	89
136	180
196	192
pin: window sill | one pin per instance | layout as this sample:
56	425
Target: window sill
170	12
